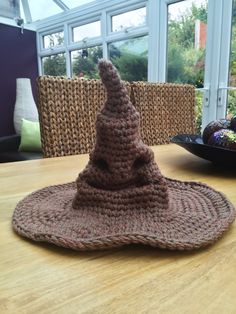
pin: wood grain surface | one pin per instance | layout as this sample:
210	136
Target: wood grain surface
42	278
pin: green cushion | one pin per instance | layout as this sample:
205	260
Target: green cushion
30	137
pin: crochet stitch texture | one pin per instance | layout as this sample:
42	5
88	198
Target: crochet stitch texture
121	197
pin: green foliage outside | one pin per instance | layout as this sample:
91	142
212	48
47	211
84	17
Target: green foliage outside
231	108
198	111
54	65
84	62
130	58
52	40
185	63
131	67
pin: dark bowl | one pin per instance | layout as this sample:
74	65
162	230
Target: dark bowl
195	145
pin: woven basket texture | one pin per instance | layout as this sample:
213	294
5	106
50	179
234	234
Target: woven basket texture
68	108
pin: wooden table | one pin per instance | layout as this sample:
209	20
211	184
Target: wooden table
42	278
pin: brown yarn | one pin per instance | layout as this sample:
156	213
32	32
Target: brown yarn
121	196
197	217
68	109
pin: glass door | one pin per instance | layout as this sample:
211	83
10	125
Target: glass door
186	47
231	99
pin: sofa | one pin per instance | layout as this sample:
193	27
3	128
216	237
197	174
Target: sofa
9	150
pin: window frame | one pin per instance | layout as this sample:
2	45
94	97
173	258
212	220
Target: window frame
217	47
217	57
111	13
82	23
51	32
92	12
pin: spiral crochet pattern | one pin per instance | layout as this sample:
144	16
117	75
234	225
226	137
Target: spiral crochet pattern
121	197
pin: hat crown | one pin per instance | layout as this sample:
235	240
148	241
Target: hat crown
118	103
119	159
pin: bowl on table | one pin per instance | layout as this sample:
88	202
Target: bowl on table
194	144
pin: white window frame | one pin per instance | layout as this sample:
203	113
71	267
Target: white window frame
126	9
217	47
217	60
92	12
96	18
52	31
217	54
157	44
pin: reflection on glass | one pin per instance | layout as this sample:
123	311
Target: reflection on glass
84	62
231	104
54	65
231	100
132	18
232	76
42	9
87	31
53	40
187	23
75	3
198	110
130	57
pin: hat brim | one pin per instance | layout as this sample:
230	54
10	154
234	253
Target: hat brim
196	216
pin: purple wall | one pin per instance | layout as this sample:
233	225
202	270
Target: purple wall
18	58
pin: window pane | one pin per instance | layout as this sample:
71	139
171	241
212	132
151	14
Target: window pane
75	3
42	9
10	9
187	24
128	19
231	100
231	104
232	77
54	65
84	62
198	110
53	40
87	31
130	57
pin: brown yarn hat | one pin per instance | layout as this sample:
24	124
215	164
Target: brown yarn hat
121	196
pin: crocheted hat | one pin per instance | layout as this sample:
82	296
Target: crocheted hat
121	197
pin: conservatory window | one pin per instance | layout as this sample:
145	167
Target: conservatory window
187	22
186	42
38	11
132	18
54	64
75	3
84	62
130	57
10	9
231	101
86	31
52	40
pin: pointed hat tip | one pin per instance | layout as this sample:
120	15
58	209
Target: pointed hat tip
104	64
109	74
